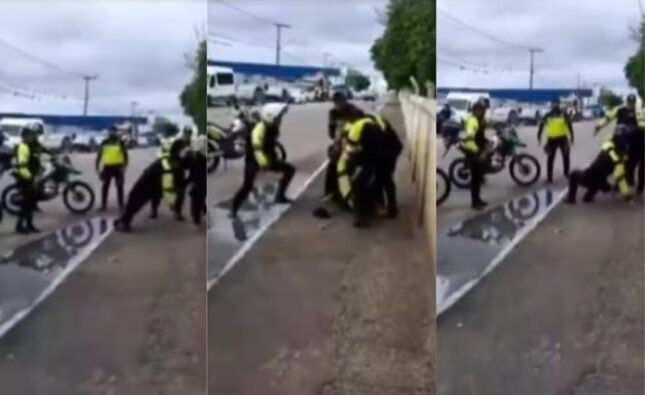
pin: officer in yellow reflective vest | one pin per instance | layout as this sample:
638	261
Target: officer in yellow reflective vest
610	162
629	116
25	179
474	147
358	164
165	142
261	156
559	132
111	162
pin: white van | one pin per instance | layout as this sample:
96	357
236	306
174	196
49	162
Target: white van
11	129
220	86
461	103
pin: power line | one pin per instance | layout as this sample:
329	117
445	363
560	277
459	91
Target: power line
243	11
479	31
235	40
39	60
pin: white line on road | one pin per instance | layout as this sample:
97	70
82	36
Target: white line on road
452	299
73	264
246	247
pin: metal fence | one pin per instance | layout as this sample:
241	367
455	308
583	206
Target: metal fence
420	122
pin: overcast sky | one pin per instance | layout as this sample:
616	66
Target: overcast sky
138	48
591	40
345	29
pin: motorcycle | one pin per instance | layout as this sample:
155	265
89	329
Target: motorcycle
230	143
503	148
77	195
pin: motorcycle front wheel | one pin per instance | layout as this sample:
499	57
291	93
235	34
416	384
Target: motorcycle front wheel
460	173
443	186
12	199
525	169
78	197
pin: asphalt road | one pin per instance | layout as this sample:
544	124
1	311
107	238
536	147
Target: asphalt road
563	312
304	135
128	320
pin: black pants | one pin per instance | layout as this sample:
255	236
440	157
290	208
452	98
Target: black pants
180	183
146	189
197	203
635	160
331	175
587	179
251	170
25	218
363	190
551	148
385	184
109	173
477	171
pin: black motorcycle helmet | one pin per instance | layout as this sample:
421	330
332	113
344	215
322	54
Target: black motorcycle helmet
631	99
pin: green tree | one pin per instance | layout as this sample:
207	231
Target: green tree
609	99
193	96
634	66
357	80
407	47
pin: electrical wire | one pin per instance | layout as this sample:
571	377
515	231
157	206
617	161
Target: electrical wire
36	59
243	11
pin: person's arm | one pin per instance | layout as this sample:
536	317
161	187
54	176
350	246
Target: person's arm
606	120
570	126
126	158
331	126
541	128
99	154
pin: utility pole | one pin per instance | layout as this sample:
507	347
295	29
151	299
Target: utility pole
533	51
88	79
278	48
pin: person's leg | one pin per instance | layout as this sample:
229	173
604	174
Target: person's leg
640	155
550	149
565	149
180	193
632	160
119	179
137	198
574	181
288	172
593	184
106	178
476	175
360	188
30	200
24	207
250	173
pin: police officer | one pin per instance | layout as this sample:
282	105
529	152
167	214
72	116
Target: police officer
559	132
181	161
111	162
629	116
358	165
25	179
388	148
338	117
35	164
167	138
610	162
197	178
155	183
261	155
474	147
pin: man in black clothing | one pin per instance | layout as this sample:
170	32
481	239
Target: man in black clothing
197	178
111	162
388	149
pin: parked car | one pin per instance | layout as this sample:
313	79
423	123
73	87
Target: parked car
148	139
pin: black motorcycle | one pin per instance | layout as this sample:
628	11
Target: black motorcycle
524	168
78	195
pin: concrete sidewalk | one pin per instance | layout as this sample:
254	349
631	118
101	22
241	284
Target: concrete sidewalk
318	307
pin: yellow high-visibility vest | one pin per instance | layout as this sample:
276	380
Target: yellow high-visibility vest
112	154
167	182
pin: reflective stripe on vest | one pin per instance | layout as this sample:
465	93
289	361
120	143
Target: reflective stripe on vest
167	182
22	156
556	127
112	154
258	134
165	145
619	167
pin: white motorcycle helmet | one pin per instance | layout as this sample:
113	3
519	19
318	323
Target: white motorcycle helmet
271	112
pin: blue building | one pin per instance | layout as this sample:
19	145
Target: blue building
276	71
90	122
521	95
